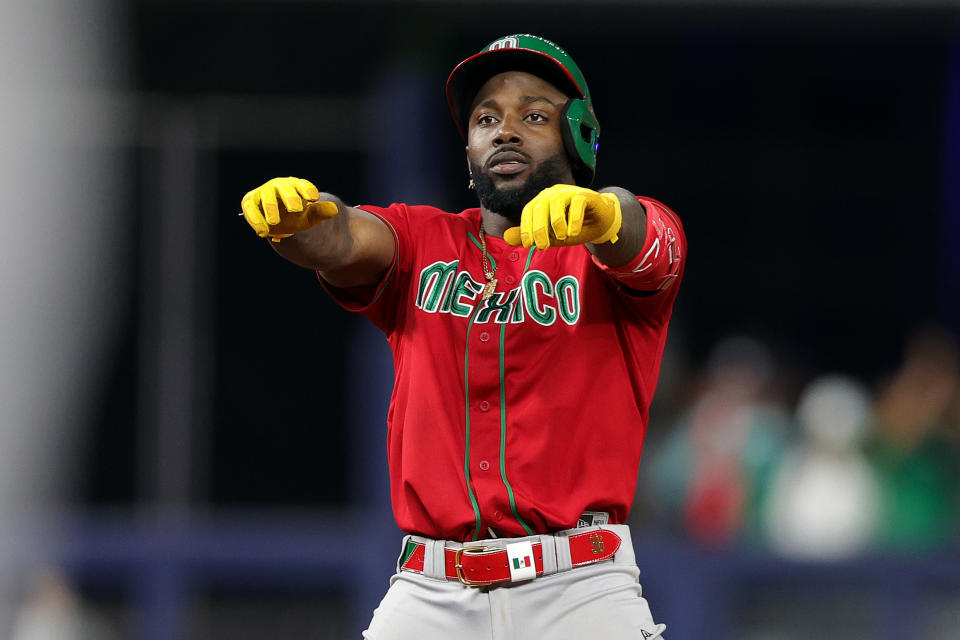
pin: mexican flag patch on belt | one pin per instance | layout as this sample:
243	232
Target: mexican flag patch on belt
520	561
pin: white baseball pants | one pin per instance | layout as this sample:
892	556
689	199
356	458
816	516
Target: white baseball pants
602	600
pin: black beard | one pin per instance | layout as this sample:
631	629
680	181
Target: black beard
509	200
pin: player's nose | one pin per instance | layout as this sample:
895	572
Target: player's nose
508	132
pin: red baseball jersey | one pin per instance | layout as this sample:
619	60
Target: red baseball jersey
523	411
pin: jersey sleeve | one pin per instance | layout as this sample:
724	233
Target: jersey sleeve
381	303
659	264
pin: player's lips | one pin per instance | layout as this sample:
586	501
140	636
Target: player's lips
507	162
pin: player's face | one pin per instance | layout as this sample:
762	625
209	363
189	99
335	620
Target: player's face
514	145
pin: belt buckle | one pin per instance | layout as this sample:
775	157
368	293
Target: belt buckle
459	567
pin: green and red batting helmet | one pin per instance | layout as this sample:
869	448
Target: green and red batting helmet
544	59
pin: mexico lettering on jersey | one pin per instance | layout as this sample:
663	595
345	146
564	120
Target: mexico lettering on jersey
520	412
443	288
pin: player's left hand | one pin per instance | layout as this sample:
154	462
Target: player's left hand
564	215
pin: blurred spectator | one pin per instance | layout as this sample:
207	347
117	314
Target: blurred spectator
824	498
710	472
914	448
53	611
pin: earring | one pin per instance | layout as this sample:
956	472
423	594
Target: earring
471	185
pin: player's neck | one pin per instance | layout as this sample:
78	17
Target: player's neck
494	224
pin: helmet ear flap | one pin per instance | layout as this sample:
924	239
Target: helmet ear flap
580	139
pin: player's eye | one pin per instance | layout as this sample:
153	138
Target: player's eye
485	119
536	117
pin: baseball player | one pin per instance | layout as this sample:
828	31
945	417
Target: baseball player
527	336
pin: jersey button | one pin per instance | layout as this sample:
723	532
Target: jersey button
510	279
484	465
497	516
484	337
514	256
484	405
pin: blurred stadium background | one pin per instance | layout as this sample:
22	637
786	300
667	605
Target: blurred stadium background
191	433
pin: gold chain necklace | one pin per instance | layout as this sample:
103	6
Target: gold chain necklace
487	271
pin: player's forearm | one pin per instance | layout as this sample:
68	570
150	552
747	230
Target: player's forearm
351	249
631	235
324	246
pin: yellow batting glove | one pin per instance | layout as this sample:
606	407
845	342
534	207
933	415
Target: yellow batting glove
564	215
301	208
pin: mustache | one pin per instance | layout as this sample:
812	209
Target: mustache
505	149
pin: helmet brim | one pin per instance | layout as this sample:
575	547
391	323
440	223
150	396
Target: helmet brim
469	76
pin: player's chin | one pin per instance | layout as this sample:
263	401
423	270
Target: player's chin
509	180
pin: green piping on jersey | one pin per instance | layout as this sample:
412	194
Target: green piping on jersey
503	418
393	267
503	435
493	263
466	396
527	266
386	283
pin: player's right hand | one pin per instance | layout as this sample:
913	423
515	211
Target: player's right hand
301	208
